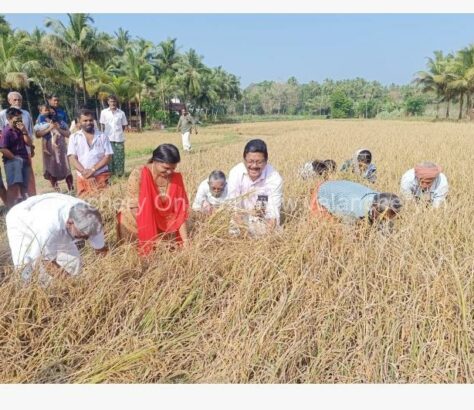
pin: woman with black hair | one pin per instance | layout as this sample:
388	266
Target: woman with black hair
156	206
256	189
317	168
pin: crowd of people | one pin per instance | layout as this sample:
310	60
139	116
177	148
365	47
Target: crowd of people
44	230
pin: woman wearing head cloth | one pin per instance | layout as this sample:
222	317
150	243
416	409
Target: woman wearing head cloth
425	182
361	164
156	205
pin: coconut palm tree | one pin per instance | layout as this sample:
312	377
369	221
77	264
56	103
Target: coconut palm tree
465	69
139	73
120	87
191	75
166	59
18	62
4	26
437	78
121	41
79	41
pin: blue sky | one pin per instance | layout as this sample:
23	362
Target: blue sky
256	47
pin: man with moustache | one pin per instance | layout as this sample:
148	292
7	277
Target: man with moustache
256	189
53	102
16	101
90	152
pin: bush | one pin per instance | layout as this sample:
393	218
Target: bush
415	105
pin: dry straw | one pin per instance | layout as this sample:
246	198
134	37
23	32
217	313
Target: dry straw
318	303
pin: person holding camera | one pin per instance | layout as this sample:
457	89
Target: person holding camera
53	133
16	101
15	139
256	190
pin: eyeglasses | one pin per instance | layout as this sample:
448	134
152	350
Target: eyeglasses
253	162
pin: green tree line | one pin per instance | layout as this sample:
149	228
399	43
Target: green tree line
451	79
83	65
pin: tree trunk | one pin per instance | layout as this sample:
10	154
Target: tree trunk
461	102
27	98
437	109
468	104
447	107
139	113
42	92
83	76
76	100
130	110
97	113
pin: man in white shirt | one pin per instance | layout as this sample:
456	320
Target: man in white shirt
113	123
15	100
426	183
43	229
211	194
257	191
90	152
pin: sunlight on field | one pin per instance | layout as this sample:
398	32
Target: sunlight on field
318	303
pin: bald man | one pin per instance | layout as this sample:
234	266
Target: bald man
16	100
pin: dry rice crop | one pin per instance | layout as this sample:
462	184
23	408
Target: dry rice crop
318	303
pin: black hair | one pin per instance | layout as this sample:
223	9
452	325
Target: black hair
112	97
167	153
86	112
364	156
331	165
53	96
13	112
323	167
386	201
256	145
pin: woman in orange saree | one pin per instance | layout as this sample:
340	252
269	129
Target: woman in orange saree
156	206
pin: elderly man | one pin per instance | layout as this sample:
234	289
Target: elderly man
13	146
53	101
43	229
185	125
113	123
256	189
90	152
426	183
211	194
352	202
16	100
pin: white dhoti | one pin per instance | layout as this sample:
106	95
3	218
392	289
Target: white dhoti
186	140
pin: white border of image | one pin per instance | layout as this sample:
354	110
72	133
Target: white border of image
238	6
240	397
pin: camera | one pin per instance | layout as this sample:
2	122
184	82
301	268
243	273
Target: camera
261	205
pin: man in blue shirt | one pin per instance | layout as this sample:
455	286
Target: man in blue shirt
62	116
